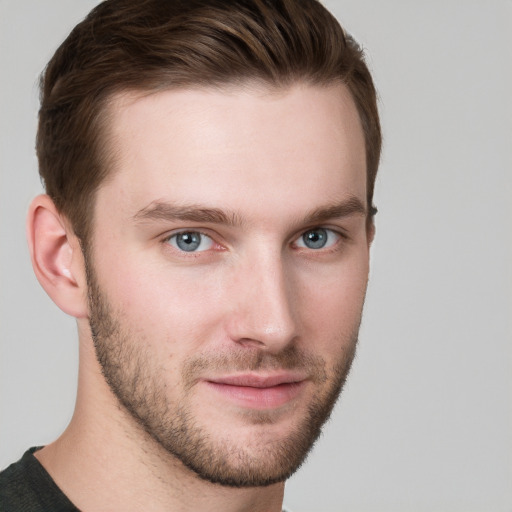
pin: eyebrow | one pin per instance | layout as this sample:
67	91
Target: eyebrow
345	208
160	210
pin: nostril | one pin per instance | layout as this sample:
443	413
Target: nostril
251	343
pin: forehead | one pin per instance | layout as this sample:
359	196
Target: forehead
236	145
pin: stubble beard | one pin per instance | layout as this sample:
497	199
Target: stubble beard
137	380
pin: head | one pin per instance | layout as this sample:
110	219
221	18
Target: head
215	162
150	46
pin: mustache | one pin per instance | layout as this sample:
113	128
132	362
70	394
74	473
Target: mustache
254	359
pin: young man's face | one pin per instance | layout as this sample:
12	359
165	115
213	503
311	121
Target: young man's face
228	269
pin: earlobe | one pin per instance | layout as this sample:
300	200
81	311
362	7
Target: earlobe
57	257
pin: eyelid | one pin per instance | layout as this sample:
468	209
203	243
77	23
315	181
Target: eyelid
204	233
177	231
337	231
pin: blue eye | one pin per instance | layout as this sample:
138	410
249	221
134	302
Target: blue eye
191	241
318	238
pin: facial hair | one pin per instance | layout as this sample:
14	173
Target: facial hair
137	379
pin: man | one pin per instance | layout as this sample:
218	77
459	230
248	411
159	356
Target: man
209	169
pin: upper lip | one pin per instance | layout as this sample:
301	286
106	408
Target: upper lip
257	380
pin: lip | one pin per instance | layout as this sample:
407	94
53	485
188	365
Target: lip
256	391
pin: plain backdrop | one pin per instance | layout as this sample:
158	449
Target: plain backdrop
425	421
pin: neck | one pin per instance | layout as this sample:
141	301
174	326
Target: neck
105	461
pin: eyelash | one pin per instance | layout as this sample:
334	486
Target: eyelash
340	235
167	240
301	239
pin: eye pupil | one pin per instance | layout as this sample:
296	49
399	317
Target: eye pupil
315	239
188	241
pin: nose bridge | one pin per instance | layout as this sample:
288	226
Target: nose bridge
264	309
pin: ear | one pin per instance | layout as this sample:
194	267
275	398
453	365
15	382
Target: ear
57	257
370	231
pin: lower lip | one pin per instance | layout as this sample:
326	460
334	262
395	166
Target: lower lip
259	398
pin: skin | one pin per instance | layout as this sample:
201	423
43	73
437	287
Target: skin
253	303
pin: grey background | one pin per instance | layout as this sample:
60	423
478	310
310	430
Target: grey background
425	422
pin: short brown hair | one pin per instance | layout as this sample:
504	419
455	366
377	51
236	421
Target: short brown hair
152	45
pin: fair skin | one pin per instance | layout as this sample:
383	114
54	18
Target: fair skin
254	176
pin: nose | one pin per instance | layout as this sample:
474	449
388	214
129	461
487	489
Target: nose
263	304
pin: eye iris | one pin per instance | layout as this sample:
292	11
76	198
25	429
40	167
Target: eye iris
189	241
315	239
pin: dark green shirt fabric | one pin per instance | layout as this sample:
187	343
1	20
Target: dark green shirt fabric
25	486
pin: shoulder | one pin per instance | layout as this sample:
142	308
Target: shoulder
13	484
25	486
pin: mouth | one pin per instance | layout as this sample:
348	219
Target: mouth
258	391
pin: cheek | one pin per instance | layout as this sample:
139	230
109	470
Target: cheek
331	304
163	302
179	308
